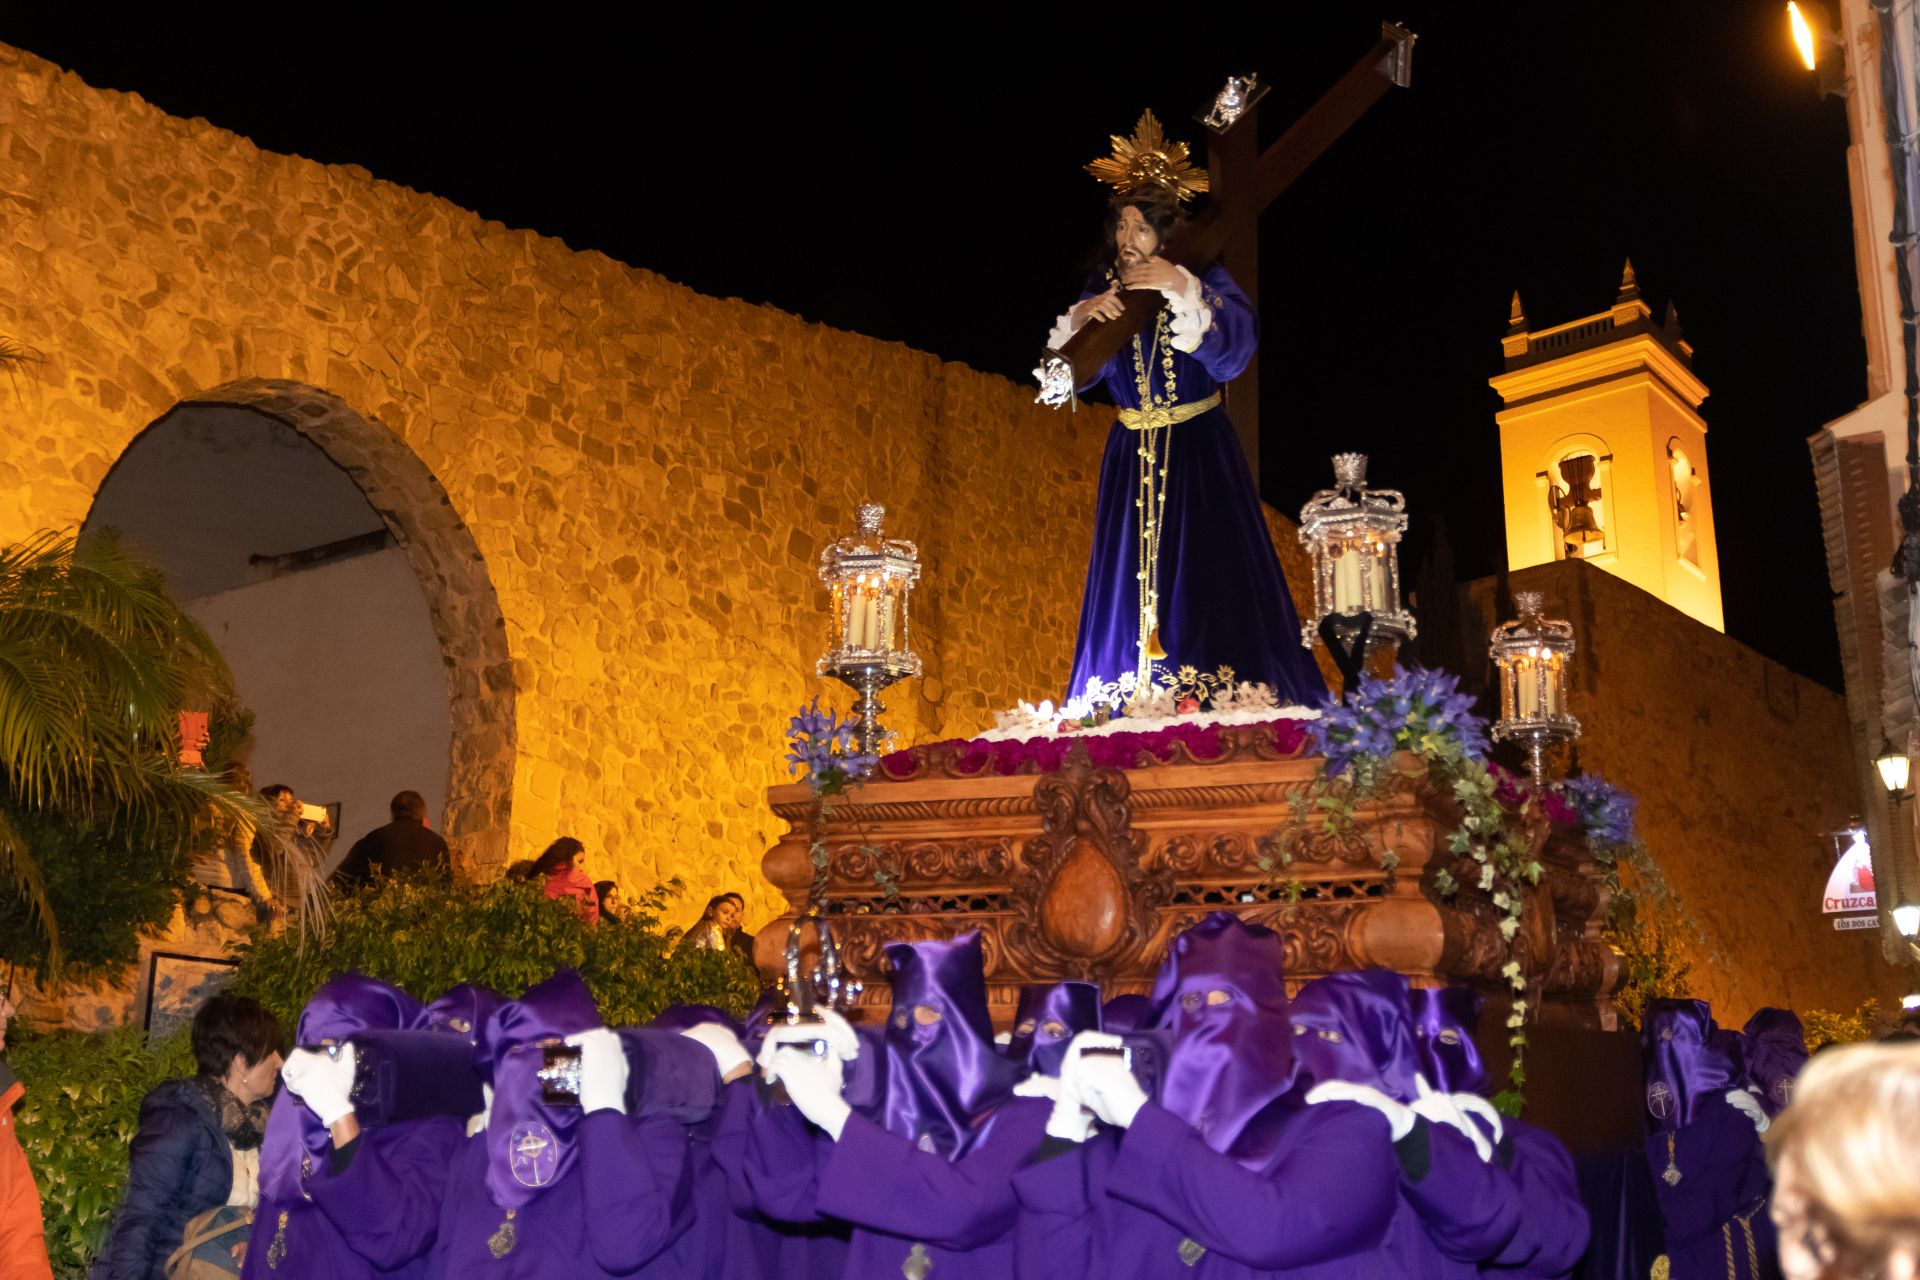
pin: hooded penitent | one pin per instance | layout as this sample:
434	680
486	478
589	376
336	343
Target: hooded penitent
1444	1020
462	1010
296	1141
1776	1050
943	1071
1686	1058
1222	1003
1357	1027
1046	1020
1126	1013
530	1143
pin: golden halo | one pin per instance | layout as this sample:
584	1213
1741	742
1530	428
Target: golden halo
1148	159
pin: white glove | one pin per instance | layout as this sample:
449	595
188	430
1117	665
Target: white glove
842	1044
1400	1118
477	1122
1488	1114
1038	1086
324	1081
1102	1083
728	1053
1439	1108
1746	1102
603	1070
814	1085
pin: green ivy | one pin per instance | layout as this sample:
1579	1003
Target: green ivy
1824	1028
81	1109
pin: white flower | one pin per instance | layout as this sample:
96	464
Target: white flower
1129	680
1076	708
1509	927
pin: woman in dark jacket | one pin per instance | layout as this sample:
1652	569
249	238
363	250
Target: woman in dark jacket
199	1139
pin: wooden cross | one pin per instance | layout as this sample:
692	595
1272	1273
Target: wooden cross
1242	184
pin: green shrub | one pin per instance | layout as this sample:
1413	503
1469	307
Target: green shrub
105	881
1824	1028
427	935
81	1109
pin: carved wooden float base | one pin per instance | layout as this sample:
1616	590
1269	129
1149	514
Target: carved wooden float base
1088	873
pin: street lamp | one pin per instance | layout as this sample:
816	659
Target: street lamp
1818	44
1894	768
1906	918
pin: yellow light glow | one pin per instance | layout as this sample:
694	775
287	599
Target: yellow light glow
1803	38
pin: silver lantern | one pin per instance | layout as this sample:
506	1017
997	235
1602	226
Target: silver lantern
1534	655
870	636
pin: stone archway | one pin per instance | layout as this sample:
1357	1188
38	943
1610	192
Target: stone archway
453	578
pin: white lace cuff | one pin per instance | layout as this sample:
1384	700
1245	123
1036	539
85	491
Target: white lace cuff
1191	316
1063	328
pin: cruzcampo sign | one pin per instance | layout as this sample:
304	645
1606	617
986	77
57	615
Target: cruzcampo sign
1850	885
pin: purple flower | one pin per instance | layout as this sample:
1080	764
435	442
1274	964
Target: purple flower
820	749
1604	813
1416	710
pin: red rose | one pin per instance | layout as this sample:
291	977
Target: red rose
1187	706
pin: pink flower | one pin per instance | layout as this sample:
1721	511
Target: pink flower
1187	706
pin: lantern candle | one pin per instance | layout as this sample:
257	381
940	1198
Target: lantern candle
1526	689
1346	581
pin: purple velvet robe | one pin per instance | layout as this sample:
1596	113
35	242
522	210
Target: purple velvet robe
605	1194
1552	1233
1359	1027
959	1213
1223	600
925	1168
1156	1201
1710	1173
377	1216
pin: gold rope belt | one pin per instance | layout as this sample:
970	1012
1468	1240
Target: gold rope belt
1165	415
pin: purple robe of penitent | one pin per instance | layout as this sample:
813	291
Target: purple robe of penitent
547	1191
1219	1174
923	1173
1710	1171
369	1209
1223	600
1775	1046
1554	1229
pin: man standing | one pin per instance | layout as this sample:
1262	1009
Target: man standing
23	1240
1183	574
404	848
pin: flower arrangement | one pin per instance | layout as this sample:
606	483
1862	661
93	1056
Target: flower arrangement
1423	713
820	749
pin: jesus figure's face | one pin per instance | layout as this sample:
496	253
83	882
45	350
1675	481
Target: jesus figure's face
1134	238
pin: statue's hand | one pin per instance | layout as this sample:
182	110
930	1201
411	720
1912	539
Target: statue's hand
1101	306
1155	273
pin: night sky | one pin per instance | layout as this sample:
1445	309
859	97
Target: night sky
914	174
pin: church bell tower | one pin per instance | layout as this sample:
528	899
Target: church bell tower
1603	452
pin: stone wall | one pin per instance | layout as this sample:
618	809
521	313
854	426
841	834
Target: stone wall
613	489
1741	767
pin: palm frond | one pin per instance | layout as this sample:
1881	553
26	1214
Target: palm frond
21	874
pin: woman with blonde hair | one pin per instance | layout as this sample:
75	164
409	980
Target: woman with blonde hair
1846	1169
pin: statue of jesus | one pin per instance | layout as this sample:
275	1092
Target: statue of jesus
1183	574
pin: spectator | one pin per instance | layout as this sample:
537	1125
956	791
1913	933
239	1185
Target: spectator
234	862
405	847
559	869
1846	1195
718	928
293	853
611	906
198	1147
23	1237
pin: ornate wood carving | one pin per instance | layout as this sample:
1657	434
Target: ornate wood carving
1088	873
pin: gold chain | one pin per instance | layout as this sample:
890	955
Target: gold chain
1150	505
